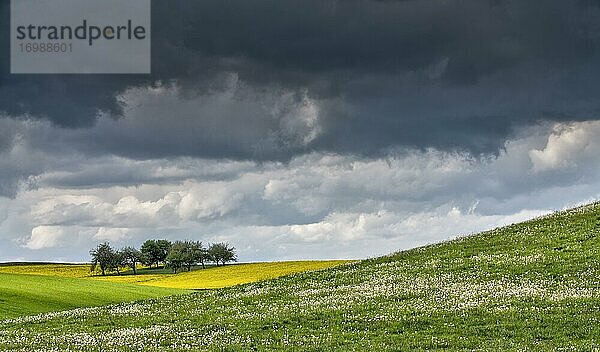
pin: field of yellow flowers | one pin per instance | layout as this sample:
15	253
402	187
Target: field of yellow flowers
223	276
48	269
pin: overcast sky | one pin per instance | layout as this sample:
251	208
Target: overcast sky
307	129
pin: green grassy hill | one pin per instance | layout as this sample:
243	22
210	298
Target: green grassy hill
530	286
31	294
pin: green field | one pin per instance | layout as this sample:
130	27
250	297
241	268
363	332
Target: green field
31	288
30	294
529	286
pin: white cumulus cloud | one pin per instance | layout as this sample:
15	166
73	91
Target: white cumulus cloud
45	237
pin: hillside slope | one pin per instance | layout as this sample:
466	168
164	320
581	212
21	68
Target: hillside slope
534	285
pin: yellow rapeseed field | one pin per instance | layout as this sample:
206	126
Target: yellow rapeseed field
48	269
223	276
211	277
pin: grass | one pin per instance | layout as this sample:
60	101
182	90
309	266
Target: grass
530	286
223	276
22	294
31	288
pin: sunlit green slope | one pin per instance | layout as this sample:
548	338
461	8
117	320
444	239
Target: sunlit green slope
30	294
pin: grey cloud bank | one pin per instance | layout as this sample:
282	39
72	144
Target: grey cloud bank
308	129
449	74
318	205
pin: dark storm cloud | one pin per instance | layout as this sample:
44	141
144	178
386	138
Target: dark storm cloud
448	74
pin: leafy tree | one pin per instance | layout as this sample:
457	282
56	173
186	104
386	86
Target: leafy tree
155	251
221	252
194	253
186	254
163	250
103	256
151	253
130	257
200	253
117	262
178	255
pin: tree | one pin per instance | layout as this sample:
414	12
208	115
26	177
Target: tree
163	250
200	253
130	257
221	252
155	251
103	256
186	254
177	256
194	253
117	262
150	252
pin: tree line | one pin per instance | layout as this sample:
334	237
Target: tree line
175	255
